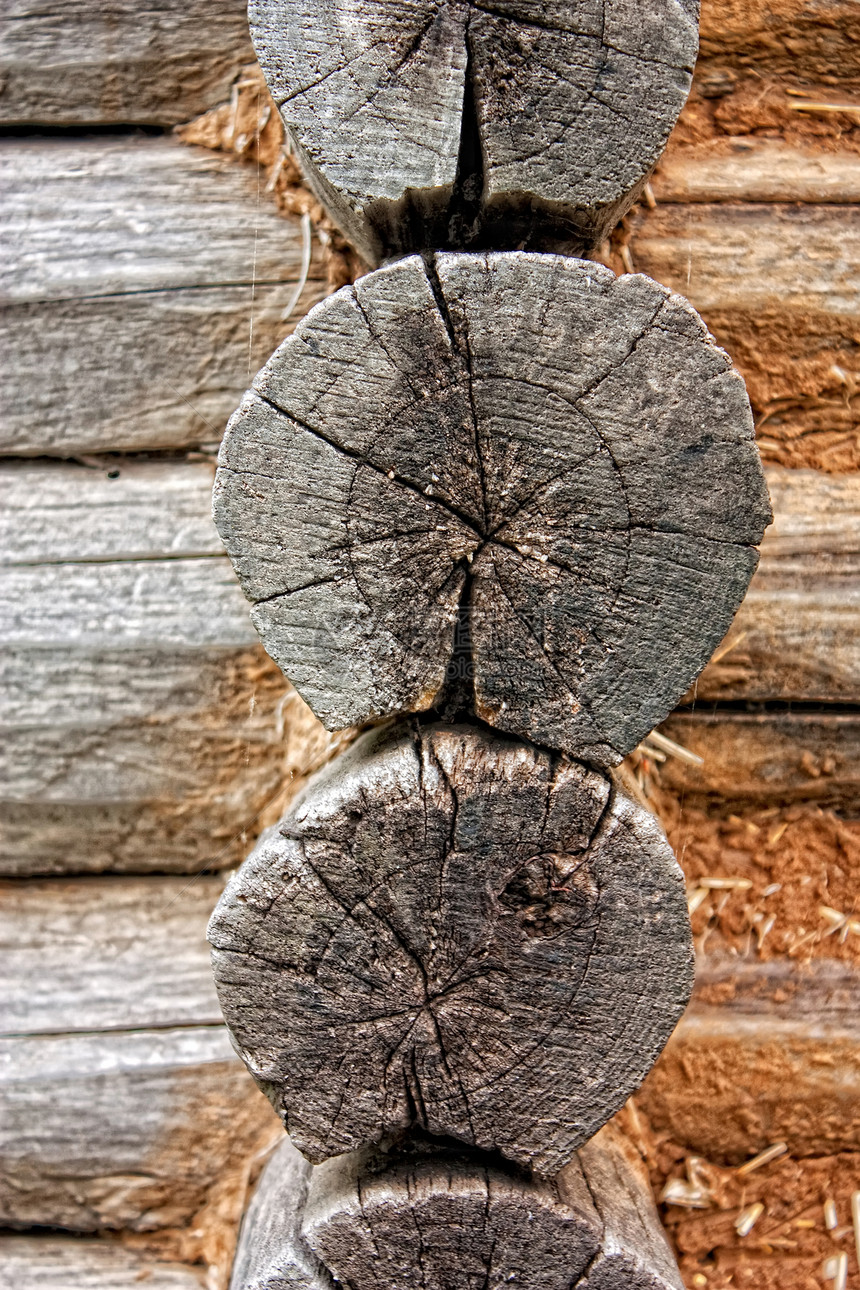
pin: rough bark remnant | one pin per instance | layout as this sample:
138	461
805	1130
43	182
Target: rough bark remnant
509	482
459	932
377	1219
471	125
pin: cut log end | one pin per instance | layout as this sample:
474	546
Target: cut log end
460	933
376	1219
512	484
473	127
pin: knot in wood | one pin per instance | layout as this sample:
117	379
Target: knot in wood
510	484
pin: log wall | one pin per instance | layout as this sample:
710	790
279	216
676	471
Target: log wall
146	735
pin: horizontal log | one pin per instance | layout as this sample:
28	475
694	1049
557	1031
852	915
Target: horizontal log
775	284
150	280
78	63
143	726
763	758
730	1083
756	170
371	1217
797	634
106	953
63	1263
121	1100
753	257
125	1129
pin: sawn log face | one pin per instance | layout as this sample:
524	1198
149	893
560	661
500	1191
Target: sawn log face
472	126
512	475
455	931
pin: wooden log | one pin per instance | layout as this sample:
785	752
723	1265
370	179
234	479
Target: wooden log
762	758
63	1263
796	635
756	170
77	63
373	1217
143	728
146	280
509	987
477	127
777	1061
106	953
509	490
786	314
122	1103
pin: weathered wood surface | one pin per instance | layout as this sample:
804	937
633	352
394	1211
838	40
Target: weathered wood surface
144	281
776	284
63	1263
106	953
476	126
461	1221
143	727
732	257
797	635
767	757
121	1100
733	1081
509	497
80	63
751	169
271	1253
509	987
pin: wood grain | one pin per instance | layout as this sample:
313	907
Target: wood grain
80	63
143	728
106	953
145	282
509	987
477	126
373	1217
766	757
506	505
121	1101
750	169
796	636
64	1263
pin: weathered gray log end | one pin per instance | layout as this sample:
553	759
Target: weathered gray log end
468	126
511	483
634	1253
430	1213
458	932
271	1253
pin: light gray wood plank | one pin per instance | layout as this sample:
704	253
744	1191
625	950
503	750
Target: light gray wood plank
797	634
122	1130
75	62
106	953
54	512
752	257
143	727
63	1263
752	169
145	281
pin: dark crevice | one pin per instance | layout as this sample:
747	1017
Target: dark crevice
465	209
456	701
767	707
80	133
